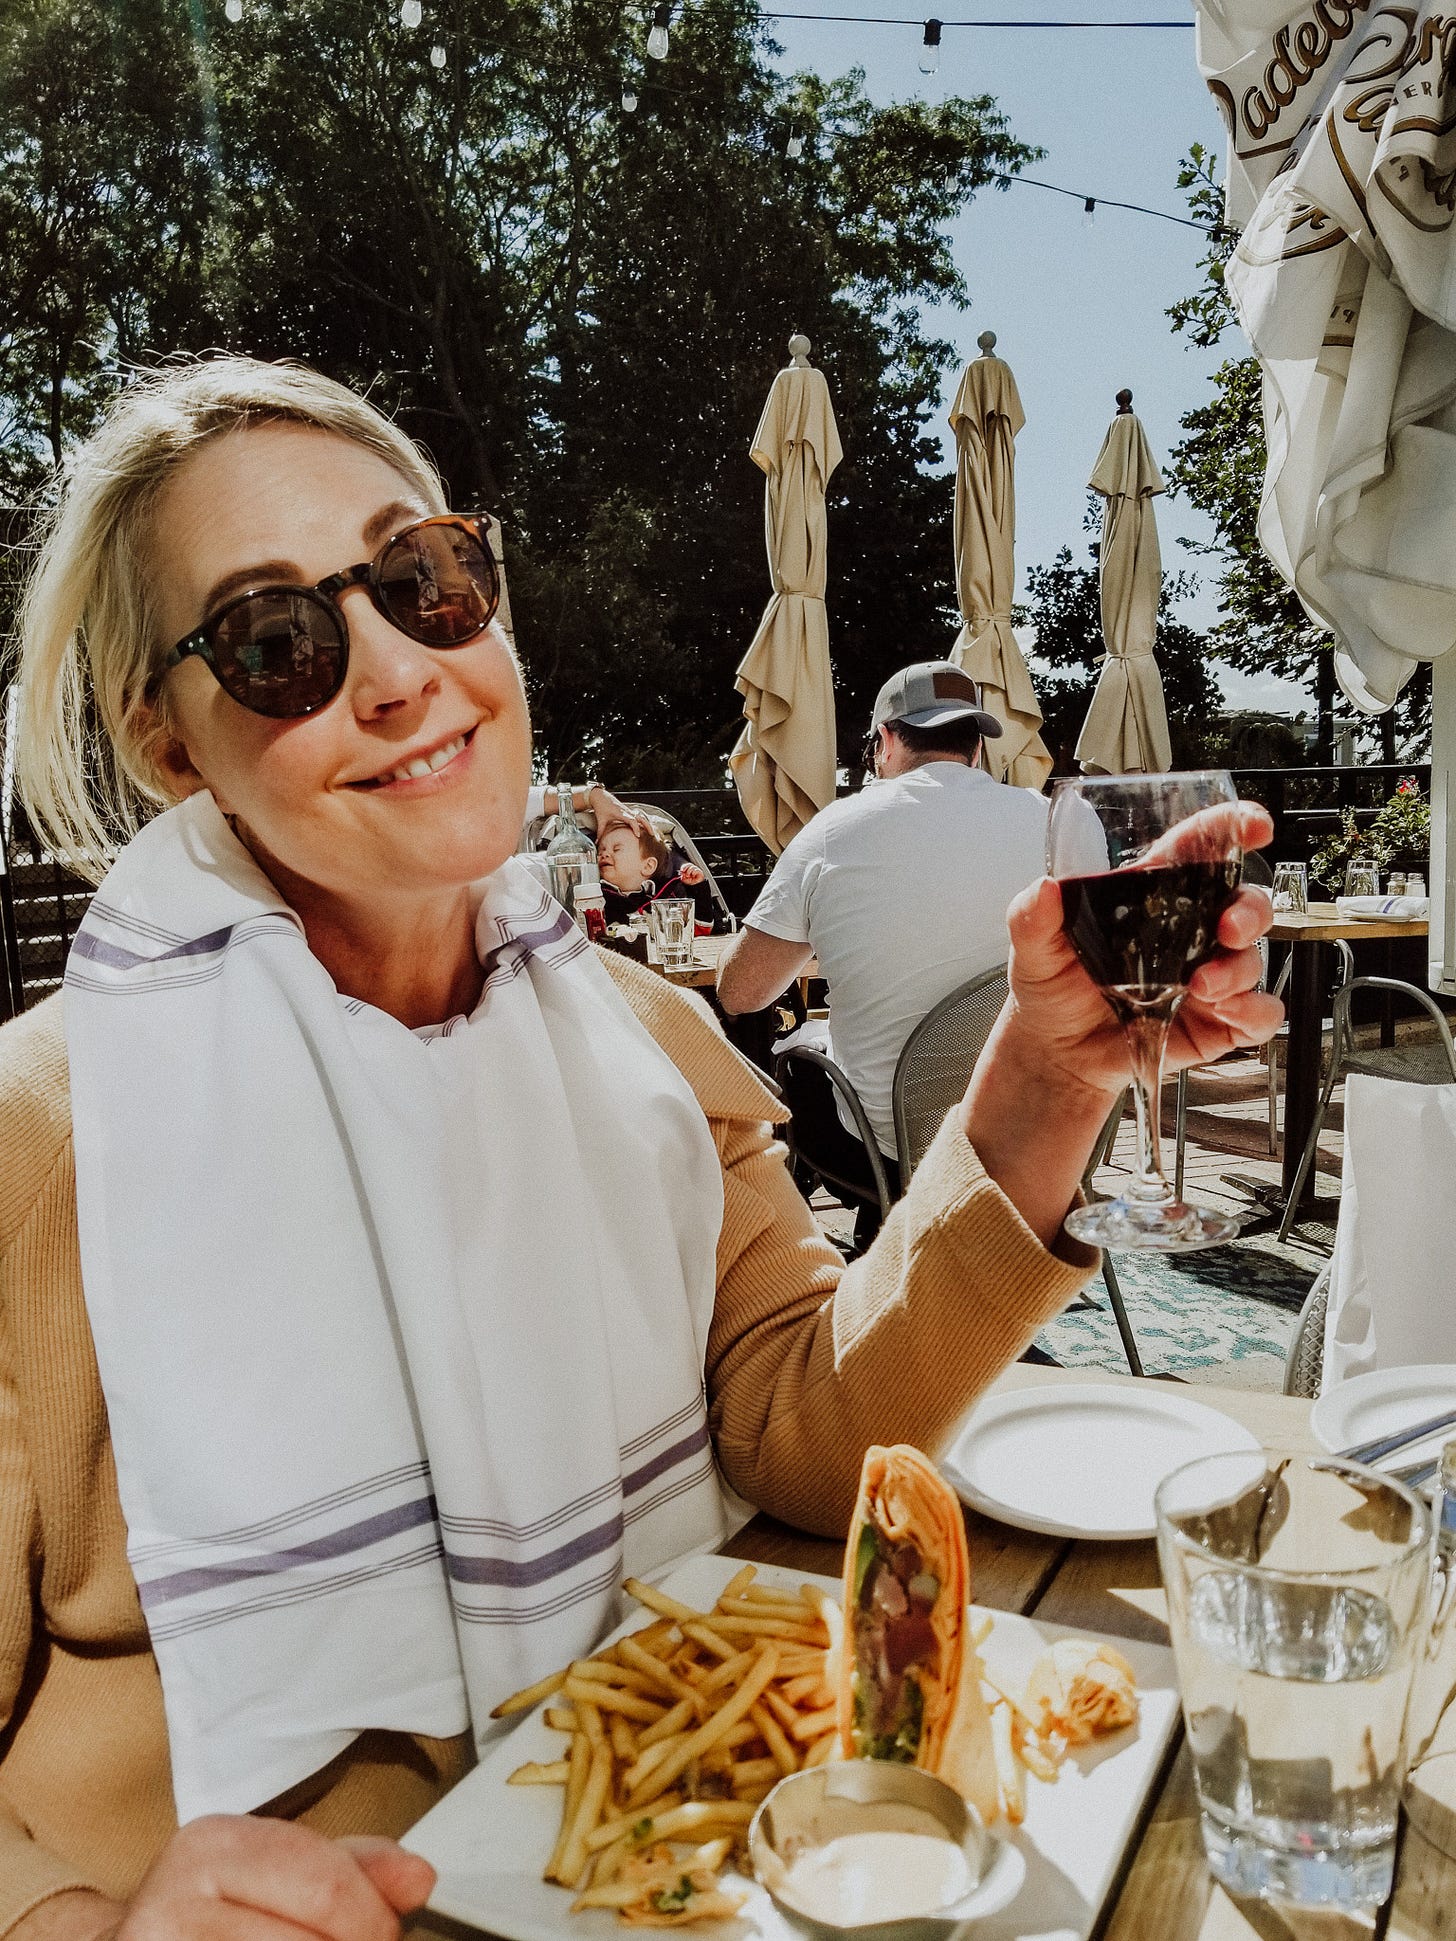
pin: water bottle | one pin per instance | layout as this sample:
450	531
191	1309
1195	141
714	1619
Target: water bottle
571	853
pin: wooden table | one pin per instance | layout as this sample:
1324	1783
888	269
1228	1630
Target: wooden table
1165	1891
702	973
1310	936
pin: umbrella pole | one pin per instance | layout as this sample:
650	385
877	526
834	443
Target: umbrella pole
1443	825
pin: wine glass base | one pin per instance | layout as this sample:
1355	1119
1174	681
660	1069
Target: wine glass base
1123	1226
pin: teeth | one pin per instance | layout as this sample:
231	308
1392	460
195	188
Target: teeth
426	764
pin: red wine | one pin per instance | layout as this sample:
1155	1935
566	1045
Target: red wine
1142	933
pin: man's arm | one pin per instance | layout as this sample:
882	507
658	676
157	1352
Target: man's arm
755	968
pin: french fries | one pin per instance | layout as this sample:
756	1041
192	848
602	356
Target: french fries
677	1732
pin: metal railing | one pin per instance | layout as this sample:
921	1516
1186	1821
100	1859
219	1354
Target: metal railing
1308	803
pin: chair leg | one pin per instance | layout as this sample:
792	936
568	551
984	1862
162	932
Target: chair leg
1119	1315
1311	1146
1273	1096
1180	1136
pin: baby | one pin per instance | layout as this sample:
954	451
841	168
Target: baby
638	866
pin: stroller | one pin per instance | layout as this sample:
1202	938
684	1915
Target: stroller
538	833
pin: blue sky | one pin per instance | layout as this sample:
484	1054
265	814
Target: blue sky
1078	311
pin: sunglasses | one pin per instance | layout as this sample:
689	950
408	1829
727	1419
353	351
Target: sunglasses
283	651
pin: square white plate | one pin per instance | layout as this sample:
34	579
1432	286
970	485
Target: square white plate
489	1841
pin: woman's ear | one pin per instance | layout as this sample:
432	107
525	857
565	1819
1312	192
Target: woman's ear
168	753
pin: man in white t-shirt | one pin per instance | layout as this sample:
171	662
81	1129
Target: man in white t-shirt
900	892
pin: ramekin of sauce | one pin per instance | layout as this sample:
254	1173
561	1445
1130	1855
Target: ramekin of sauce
877	1849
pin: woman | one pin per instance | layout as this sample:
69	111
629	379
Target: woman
340	1380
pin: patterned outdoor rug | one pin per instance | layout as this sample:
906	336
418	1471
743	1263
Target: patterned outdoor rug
1223	1317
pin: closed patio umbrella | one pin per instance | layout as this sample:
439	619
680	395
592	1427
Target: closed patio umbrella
1126	730
985	418
784	762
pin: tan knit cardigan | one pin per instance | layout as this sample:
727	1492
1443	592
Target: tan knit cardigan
808	1362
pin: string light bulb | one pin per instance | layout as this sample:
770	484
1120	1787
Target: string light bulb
1089	211
657	38
234	11
411	13
930	48
794	146
629	101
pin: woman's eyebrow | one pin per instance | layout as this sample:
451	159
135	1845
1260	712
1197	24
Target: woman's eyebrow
273	572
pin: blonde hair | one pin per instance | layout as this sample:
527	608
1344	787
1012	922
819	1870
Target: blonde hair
89	635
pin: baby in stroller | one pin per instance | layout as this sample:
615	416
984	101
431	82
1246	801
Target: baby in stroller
639	865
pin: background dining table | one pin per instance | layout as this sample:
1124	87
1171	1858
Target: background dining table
1309	935
1164	1891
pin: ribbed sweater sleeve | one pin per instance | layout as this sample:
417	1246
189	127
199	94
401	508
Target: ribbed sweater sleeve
810	1361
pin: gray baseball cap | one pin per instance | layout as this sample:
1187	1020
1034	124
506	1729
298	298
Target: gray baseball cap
928	695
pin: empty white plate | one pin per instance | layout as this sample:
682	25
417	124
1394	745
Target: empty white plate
1383	1401
1082	1460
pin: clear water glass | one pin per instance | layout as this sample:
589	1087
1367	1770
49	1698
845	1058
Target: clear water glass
1297	1597
1290	892
1362	878
674	919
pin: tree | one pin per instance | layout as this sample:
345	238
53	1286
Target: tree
577	309
1064	606
1219	467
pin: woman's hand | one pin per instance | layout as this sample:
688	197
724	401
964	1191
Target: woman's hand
235	1878
1058	1058
607	808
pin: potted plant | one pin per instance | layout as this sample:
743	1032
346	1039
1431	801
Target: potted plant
1400	834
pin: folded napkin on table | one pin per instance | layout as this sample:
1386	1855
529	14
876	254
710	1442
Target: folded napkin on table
1395	909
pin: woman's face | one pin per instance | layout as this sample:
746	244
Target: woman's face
323	801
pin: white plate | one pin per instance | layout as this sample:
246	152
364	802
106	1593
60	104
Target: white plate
489	1841
1083	1459
1383	1401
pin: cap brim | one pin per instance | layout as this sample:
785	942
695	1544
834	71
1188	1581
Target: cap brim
989	726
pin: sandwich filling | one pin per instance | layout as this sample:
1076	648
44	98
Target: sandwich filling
895	1645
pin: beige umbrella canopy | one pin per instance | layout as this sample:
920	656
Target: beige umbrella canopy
985	418
1126	730
784	762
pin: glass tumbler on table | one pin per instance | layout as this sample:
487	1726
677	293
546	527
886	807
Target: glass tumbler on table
674	919
1362	878
1297	1595
1147	866
1290	892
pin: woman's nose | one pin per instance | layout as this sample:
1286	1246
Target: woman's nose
388	672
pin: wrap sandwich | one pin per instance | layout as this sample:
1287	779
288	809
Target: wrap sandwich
909	1675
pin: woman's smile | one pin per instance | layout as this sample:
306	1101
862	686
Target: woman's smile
436	765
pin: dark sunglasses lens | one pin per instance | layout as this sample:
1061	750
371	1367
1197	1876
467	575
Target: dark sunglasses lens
280	654
438	584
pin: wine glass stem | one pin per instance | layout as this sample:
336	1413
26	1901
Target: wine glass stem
1147	1038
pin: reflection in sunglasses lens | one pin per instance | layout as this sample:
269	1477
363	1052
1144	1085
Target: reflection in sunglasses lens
280	653
438	584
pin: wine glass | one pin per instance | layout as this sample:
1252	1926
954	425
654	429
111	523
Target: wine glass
1147	866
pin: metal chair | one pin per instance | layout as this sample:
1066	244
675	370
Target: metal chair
1305	1361
936	1062
863	1129
1346	971
1432	1064
1099	1157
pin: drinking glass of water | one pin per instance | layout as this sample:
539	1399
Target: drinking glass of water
674	919
1297	1596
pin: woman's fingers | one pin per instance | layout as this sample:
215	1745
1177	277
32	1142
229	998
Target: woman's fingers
1210	835
1246	919
1226	975
287	1880
405	1880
